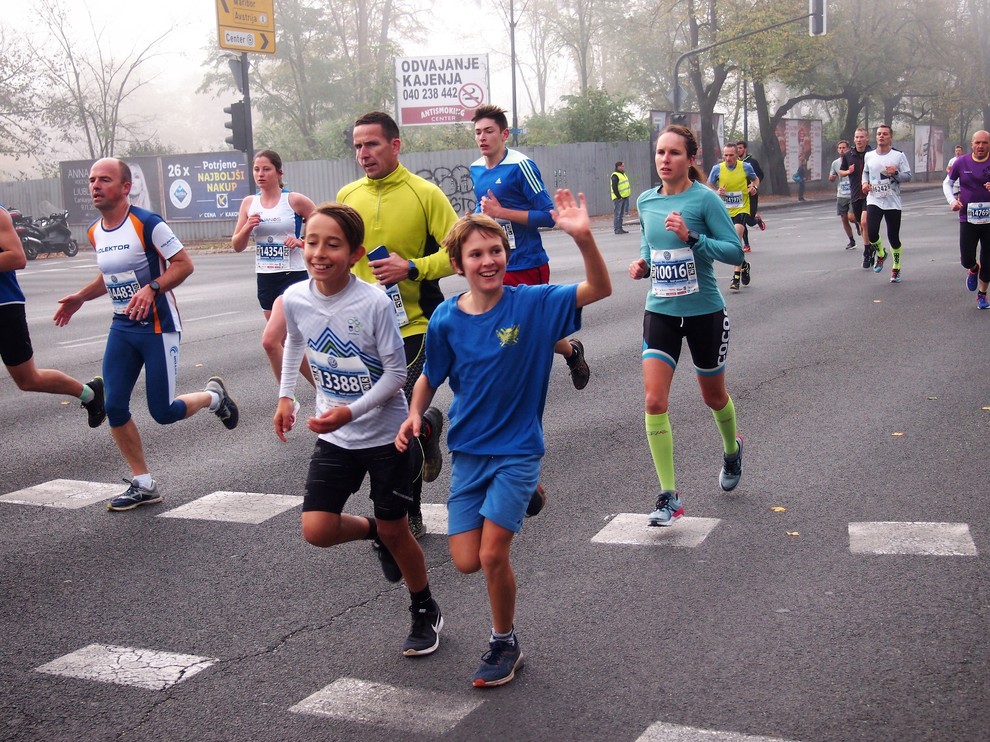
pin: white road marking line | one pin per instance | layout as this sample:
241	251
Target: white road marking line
663	732
402	709
142	668
235	507
631	528
932	539
64	493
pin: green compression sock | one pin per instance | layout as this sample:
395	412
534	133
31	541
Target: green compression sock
878	246
897	255
661	441
725	419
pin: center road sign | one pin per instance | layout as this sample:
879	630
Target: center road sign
246	25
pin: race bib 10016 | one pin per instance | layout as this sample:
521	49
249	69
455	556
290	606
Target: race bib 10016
673	272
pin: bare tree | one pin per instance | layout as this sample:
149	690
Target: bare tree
89	90
22	130
580	24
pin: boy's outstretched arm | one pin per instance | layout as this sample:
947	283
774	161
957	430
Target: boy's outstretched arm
422	395
572	216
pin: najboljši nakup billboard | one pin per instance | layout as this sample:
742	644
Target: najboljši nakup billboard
196	187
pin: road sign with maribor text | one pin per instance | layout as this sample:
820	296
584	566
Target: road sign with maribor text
246	25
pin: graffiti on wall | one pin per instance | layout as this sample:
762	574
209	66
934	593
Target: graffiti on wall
456	184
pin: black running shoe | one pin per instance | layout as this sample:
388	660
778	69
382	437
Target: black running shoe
745	273
94	407
389	568
227	411
580	373
424	637
869	255
536	501
432	458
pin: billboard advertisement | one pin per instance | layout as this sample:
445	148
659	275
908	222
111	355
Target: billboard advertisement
204	186
929	145
146	188
178	187
800	142
440	90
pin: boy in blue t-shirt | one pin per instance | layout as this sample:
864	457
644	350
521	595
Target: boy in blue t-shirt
475	341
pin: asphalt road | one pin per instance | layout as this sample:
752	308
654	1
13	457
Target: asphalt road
860	401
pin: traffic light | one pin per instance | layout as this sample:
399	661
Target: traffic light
238	138
817	18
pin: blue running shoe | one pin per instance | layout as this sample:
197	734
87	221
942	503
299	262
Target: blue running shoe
498	664
669	509
134	496
971	278
895	275
731	472
878	266
981	301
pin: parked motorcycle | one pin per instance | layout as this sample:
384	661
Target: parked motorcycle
45	235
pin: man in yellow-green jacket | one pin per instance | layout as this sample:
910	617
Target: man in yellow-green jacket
409	217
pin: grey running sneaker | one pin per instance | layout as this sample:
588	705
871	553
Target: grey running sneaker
134	496
424	638
227	411
432	458
580	373
669	509
389	568
731	472
536	501
498	664
416	526
94	407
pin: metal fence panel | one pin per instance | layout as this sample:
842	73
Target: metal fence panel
584	167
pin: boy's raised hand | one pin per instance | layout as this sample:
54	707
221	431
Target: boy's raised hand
571	214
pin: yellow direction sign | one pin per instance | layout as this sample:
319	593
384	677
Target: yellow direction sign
246	25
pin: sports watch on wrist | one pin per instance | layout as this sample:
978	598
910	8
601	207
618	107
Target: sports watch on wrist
413	271
156	287
693	238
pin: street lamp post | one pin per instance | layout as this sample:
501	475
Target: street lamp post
512	55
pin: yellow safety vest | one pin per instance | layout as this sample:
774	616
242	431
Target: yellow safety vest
624	188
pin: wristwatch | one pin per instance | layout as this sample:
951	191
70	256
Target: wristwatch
156	287
693	238
413	271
